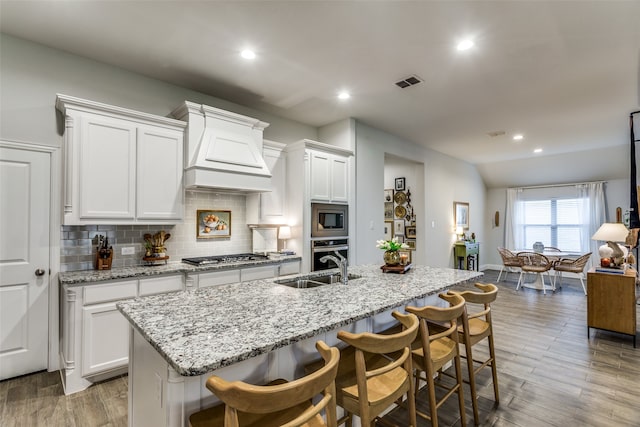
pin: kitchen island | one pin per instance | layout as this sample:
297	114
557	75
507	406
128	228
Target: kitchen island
254	331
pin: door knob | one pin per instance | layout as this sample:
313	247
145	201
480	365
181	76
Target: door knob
39	272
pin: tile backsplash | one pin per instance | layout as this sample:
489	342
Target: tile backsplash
78	242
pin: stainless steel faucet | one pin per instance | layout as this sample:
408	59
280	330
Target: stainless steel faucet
342	264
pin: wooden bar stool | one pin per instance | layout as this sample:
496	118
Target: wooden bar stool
279	404
375	371
436	349
476	326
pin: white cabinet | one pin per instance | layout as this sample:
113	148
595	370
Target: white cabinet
216	278
270	207
286	268
105	338
329	177
257	273
121	166
95	335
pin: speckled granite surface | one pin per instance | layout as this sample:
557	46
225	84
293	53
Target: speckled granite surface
201	330
88	276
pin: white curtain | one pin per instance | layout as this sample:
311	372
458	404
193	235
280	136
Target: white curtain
513	237
593	194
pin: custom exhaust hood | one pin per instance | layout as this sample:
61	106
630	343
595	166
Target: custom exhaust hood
223	150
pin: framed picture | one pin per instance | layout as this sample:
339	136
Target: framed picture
400	184
212	224
411	244
398	227
405	257
388	195
388	230
410	232
461	214
388	211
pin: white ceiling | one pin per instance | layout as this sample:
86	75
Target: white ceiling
564	73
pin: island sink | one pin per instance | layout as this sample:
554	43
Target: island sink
303	282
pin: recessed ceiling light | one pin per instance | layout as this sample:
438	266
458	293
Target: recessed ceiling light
465	45
248	54
344	95
538	150
518	137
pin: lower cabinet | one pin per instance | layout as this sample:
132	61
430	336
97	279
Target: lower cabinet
94	334
105	338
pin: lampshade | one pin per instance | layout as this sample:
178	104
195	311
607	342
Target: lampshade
284	232
611	232
459	230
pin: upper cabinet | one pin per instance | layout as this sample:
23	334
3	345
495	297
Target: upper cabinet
121	166
329	177
270	207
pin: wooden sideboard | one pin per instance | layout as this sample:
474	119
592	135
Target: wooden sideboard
611	302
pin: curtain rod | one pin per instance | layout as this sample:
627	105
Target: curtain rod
559	185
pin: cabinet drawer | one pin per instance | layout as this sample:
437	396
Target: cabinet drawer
289	268
111	291
257	273
160	285
218	278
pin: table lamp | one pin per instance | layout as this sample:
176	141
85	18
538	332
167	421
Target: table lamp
284	233
613	233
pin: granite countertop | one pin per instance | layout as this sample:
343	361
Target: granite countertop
88	276
198	331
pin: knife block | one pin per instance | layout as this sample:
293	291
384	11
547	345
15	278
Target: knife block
102	262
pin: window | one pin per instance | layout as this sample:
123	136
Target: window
560	223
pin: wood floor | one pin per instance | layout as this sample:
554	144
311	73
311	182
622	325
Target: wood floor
550	374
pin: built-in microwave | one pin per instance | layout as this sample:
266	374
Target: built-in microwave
329	220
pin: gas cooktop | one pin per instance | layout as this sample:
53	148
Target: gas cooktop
221	259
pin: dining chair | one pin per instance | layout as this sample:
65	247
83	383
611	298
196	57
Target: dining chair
278	404
534	262
568	265
509	261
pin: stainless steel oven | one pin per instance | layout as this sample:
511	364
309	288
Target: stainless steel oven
322	247
329	220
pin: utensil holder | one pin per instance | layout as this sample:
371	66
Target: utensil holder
103	262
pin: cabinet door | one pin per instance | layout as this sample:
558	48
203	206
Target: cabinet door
107	168
339	179
272	204
320	165
289	268
105	339
159	176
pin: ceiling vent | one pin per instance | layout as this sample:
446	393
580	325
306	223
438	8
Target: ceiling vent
409	81
496	133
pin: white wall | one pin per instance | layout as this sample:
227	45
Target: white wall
445	180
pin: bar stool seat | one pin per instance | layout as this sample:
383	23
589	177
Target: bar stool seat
278	404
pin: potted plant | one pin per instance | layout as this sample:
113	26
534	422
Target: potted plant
391	247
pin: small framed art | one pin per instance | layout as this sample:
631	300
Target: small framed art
211	224
461	214
388	195
388	211
398	227
400	184
388	230
410	232
411	243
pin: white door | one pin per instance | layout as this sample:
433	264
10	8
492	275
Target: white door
24	261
